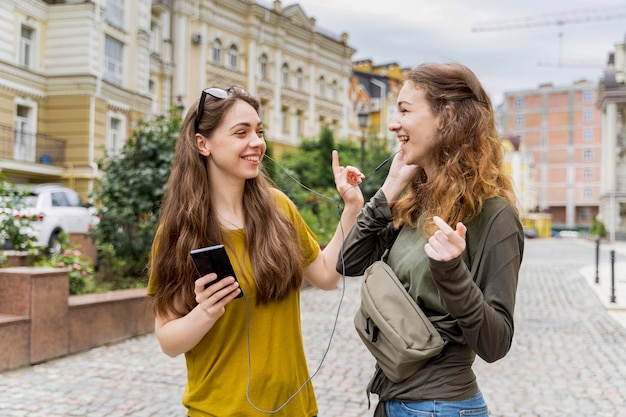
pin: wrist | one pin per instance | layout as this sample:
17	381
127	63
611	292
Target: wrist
392	191
351	209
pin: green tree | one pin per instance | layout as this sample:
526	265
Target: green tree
597	228
129	195
310	163
376	152
306	176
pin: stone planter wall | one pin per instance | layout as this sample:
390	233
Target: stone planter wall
40	321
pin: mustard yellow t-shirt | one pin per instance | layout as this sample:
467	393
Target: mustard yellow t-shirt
217	368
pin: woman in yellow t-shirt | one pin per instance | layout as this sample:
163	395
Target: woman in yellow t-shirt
244	355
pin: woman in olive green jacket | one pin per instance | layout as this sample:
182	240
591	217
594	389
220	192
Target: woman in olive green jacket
445	189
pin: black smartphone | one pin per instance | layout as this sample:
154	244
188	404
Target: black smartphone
214	259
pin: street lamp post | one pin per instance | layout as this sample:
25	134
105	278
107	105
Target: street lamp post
363	122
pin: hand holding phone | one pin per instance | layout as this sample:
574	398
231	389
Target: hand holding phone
214	259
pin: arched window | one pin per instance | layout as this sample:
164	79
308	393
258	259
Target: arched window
263	67
284	73
232	57
217	52
299	79
321	86
333	90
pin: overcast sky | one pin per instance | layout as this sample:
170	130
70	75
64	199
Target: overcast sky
410	32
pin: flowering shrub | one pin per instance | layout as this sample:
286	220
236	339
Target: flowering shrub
81	270
16	229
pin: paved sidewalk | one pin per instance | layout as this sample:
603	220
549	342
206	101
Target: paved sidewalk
607	278
568	357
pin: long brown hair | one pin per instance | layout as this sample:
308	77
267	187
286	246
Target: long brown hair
187	221
467	153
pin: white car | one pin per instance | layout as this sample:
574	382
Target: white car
59	209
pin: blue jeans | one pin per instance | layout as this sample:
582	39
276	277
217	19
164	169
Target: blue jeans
474	406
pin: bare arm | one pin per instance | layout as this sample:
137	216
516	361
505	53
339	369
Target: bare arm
178	335
322	271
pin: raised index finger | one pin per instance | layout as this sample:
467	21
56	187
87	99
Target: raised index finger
335	161
442	225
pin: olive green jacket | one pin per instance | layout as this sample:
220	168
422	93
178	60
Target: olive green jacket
473	313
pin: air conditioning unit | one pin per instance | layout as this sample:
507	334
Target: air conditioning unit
196	38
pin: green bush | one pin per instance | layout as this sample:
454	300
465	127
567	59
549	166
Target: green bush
306	176
597	228
129	195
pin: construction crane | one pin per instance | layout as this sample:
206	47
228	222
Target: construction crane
556	19
569	63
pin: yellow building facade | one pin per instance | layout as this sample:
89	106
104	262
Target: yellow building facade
73	79
75	76
374	89
299	72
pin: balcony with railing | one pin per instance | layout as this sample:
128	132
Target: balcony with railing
20	146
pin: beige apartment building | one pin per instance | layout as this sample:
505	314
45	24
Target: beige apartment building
560	128
75	76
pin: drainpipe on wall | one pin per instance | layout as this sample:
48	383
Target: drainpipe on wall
92	107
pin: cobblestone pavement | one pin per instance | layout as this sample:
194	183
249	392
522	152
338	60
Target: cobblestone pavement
568	357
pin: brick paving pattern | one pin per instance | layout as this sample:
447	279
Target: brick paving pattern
568	357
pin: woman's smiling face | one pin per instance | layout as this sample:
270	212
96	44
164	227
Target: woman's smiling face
236	148
415	125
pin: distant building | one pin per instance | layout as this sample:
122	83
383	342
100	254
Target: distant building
560	128
76	75
299	71
612	103
374	90
520	165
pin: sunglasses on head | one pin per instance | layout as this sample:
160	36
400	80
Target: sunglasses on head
218	93
215	92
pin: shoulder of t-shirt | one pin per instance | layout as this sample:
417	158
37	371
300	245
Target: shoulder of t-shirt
283	201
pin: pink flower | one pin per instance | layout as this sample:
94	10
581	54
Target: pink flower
61	264
76	266
76	252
